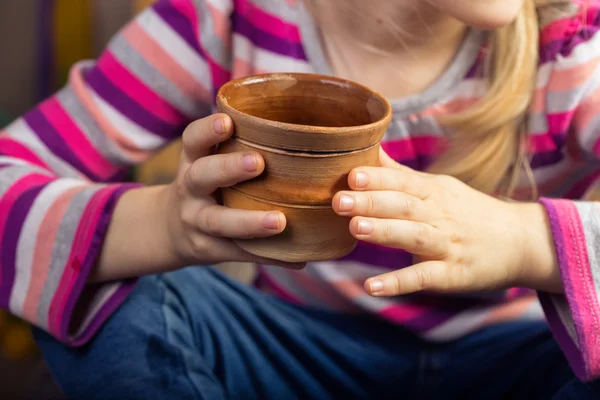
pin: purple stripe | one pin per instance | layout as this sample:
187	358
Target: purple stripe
129	107
551	50
547	158
265	40
392	259
476	69
14	225
559	330
179	23
57	145
91	255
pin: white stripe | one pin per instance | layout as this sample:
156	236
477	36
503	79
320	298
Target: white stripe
458	325
143	139
543	75
564	314
581	54
27	239
265	60
99	300
17	161
469	88
176	47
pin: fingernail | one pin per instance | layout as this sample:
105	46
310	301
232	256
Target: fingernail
249	162
346	203
365	227
362	179
221	125
375	285
271	221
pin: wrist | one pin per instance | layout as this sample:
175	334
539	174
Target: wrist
535	244
137	241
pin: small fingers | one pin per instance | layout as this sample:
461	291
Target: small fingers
414	237
219	221
210	173
201	136
380	204
429	275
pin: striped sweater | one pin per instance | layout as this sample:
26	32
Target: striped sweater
61	163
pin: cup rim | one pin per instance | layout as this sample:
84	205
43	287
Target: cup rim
225	107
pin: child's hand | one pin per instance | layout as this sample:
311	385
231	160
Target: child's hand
200	229
462	239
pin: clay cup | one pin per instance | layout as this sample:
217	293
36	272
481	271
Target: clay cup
311	130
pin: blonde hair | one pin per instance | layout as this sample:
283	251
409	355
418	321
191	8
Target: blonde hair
488	148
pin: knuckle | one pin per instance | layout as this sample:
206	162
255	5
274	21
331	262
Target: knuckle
371	204
200	247
421	236
208	223
395	284
247	224
193	175
446	180
408	207
187	219
386	232
187	137
423	278
223	170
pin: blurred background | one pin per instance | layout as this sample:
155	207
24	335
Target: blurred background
39	41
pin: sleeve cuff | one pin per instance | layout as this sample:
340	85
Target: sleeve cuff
574	317
80	309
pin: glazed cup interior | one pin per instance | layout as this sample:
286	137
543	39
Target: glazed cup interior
304	99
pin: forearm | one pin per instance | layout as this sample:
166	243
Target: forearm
137	242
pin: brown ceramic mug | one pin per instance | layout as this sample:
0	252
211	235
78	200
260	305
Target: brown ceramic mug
311	130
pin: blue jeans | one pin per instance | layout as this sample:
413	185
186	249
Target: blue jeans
196	334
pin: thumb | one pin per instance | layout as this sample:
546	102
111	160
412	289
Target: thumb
428	275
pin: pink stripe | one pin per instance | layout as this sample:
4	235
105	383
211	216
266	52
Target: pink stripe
8	200
559	123
541	143
137	90
577	76
400	313
219	74
581	281
400	150
12	148
221	24
164	63
563	28
75	139
44	244
267	22
83	236
410	148
241	68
